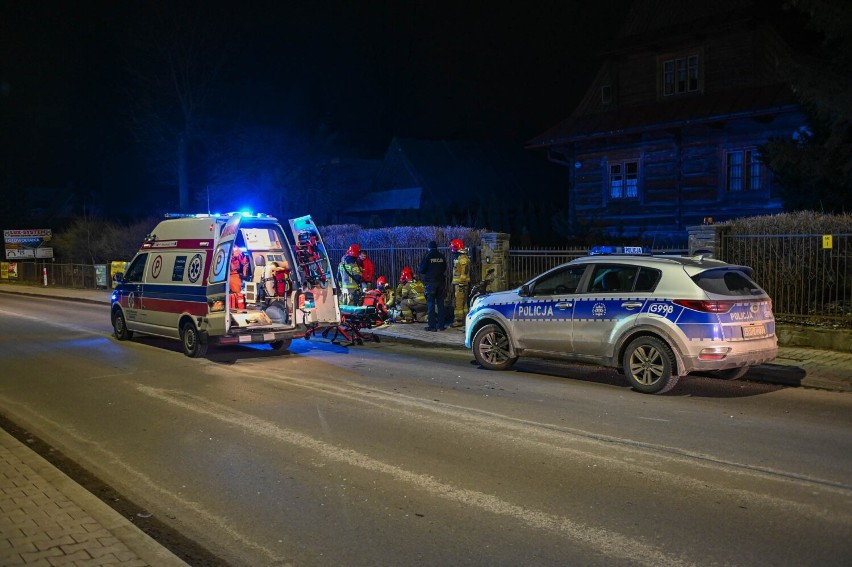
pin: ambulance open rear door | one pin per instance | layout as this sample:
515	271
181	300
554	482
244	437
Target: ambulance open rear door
220	269
315	271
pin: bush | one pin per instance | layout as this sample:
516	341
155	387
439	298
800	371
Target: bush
802	222
340	236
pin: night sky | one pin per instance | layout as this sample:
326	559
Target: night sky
367	71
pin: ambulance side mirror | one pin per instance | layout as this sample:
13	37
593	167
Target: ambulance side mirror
118	276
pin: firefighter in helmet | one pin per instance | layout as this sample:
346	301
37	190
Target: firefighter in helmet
410	297
376	298
349	273
461	280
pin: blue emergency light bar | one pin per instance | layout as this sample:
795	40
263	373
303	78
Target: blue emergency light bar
247	214
633	250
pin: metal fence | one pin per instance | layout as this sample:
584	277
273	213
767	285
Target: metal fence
62	275
808	280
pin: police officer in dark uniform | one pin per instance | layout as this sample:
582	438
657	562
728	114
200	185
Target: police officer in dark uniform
433	272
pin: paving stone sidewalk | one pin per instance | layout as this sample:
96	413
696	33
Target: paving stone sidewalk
47	519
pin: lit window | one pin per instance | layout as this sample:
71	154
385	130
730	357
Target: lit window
624	180
681	75
743	171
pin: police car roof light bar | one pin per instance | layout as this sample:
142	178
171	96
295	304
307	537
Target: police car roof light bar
632	250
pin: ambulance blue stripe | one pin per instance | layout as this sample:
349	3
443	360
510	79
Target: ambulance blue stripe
175	292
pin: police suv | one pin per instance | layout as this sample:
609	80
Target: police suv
654	318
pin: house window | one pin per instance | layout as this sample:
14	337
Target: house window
681	75
624	180
743	171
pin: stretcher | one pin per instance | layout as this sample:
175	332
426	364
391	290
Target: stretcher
353	321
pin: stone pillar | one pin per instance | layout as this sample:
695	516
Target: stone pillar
707	238
495	259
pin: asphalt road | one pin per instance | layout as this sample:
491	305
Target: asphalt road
391	454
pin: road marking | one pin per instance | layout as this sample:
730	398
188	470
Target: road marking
610	543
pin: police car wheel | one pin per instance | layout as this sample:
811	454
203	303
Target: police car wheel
119	325
648	364
491	348
730	373
283	344
192	345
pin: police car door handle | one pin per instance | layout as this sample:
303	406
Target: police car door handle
632	304
564	305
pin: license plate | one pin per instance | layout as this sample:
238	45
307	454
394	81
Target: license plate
754	331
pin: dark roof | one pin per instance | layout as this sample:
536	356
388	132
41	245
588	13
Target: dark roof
394	199
649	18
463	171
747	102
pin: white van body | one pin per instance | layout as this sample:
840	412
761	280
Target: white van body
177	284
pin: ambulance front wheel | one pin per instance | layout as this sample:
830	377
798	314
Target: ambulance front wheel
119	325
193	347
649	365
491	348
283	344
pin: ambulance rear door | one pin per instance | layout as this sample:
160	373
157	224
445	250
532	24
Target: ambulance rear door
220	268
314	270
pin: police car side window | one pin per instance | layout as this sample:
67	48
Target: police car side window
647	279
136	269
613	278
560	282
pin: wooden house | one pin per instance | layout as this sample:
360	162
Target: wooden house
669	132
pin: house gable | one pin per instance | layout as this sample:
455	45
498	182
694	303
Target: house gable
669	130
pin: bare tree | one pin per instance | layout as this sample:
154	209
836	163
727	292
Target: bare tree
172	66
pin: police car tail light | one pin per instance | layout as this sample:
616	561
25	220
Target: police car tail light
706	306
713	353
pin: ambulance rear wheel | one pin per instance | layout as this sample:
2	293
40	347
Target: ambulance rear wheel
281	345
649	365
119	325
192	345
491	348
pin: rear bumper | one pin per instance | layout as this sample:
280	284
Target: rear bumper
262	336
743	353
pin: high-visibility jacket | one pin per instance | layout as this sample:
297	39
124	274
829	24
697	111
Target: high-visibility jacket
349	272
461	267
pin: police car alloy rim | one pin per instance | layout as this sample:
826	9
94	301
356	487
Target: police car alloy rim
646	365
491	348
649	364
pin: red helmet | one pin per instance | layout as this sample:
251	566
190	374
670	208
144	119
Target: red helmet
381	282
407	275
456	244
353	250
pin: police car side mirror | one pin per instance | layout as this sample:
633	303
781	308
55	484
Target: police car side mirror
524	291
118	276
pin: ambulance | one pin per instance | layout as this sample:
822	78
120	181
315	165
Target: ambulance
179	285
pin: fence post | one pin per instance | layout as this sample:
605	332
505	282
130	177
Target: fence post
495	255
707	237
